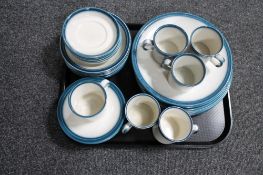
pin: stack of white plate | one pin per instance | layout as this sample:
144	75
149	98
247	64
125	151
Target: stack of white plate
152	78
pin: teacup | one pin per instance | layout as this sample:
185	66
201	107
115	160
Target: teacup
185	71
142	112
175	125
87	100
168	41
91	34
207	42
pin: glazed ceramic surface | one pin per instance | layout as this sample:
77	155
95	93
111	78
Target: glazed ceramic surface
87	131
142	111
92	34
112	66
154	79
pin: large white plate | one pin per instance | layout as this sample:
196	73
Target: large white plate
154	79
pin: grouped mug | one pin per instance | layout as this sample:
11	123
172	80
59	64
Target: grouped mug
88	99
185	71
207	42
175	125
168	41
142	112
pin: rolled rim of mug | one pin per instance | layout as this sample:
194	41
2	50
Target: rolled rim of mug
147	98
182	34
88	57
211	29
185	114
194	72
73	94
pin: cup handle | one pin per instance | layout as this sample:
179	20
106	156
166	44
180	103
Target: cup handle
105	83
195	129
126	128
147	44
218	60
166	63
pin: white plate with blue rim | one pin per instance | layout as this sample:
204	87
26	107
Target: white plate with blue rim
96	131
91	34
153	79
110	67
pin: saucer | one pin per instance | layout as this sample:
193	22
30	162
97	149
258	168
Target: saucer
117	60
91	34
154	79
96	131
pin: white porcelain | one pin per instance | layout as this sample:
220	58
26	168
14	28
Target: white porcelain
109	62
105	121
88	99
168	41
175	125
185	71
208	42
91	32
156	78
142	111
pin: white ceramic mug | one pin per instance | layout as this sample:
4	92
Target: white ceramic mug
87	100
175	125
168	41
185	71
207	42
142	112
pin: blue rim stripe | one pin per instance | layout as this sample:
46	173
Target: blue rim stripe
79	84
196	57
171	26
137	95
161	97
85	140
212	28
159	124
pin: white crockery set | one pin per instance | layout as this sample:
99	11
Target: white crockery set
179	59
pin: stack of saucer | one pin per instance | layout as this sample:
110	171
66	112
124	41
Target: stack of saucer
183	60
94	42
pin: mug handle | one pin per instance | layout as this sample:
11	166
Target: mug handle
218	60
195	128
126	128
147	44
166	63
105	83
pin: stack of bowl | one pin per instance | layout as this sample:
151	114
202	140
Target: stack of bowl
94	42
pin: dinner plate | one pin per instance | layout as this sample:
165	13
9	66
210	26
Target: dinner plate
153	78
116	61
103	127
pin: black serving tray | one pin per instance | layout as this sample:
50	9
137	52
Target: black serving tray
214	125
